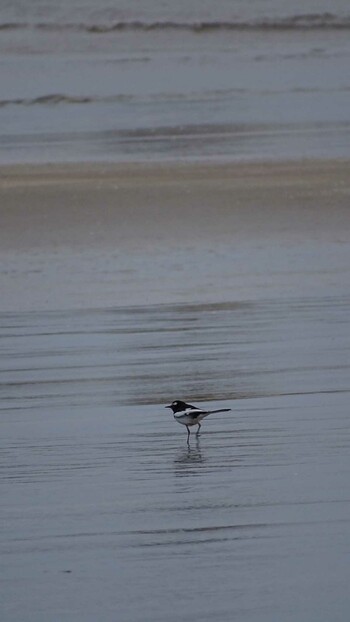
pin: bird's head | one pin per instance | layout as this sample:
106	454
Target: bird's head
177	405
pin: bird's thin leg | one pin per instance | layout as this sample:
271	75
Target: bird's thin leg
199	427
188	434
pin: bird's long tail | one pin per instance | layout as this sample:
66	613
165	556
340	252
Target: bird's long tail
221	410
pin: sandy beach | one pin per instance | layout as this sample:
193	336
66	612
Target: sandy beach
124	287
83	236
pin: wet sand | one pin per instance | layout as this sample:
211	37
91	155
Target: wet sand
122	289
82	236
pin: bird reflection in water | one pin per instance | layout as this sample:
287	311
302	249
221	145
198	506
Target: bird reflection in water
187	461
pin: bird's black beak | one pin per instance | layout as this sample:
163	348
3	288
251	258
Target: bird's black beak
167	406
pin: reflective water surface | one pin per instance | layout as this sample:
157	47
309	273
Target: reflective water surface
109	515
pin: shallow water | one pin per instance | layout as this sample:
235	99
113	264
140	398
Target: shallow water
108	514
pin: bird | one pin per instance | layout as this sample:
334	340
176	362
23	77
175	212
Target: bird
190	415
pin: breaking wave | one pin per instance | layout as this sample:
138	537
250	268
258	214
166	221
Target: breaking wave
58	98
310	21
54	99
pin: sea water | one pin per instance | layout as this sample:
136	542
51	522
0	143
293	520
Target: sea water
163	80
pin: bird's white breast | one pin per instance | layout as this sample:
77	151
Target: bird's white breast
190	416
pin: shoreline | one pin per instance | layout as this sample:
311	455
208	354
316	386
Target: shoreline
171	166
191	143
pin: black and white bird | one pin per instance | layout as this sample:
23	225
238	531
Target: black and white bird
190	415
